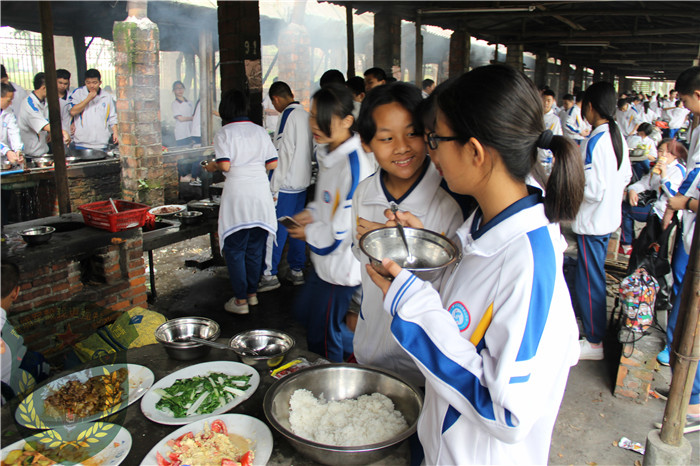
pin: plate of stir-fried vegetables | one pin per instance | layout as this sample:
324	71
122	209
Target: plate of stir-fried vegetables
226	440
199	391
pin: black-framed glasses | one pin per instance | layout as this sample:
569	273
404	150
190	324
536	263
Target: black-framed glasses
434	139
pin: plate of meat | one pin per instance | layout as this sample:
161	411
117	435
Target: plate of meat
84	396
167	210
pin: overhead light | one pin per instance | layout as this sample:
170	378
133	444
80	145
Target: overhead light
639	78
439	11
613	61
584	43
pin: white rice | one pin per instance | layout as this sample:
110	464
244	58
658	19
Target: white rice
353	422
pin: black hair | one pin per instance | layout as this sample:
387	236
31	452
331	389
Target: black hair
568	97
406	95
501	108
579	96
331	100
39	80
621	103
427	110
427	83
601	97
549	92
5	89
331	76
676	148
378	73
280	89
62	74
356	84
176	83
645	104
3	72
391	79
234	104
9	278
645	128
93	73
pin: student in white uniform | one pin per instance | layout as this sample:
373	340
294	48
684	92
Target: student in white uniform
93	113
34	120
678	116
389	127
247	215
10	140
497	342
626	118
288	183
576	126
20	93
63	85
551	123
608	171
183	113
326	226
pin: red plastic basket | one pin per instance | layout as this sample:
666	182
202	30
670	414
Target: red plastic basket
101	215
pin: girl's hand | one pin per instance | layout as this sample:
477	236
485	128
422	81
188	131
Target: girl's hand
297	232
632	198
364	225
677	202
406	219
661	164
304	217
382	282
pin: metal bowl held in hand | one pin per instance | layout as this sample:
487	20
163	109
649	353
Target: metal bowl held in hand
431	251
339	382
175	335
262	349
37	235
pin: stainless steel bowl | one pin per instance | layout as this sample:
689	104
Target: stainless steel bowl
262	349
6	164
37	235
432	251
42	162
174	336
338	382
189	218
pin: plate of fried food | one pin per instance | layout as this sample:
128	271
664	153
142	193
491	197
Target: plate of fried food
88	444
84	396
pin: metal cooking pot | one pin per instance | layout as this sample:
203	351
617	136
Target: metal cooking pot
42	162
85	155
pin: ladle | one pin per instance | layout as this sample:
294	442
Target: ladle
410	260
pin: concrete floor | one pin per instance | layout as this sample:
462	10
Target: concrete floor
591	420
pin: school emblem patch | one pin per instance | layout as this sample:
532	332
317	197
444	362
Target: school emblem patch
326	197
460	314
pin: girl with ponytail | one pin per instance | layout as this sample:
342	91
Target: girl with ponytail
496	342
608	171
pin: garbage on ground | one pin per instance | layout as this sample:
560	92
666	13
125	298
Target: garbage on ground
628	444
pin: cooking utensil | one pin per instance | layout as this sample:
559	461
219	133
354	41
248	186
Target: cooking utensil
410	260
85	155
213	344
338	382
37	235
189	218
42	162
114	206
261	349
175	335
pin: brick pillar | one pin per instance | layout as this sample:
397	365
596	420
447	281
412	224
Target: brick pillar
239	51
541	68
578	77
460	50
294	61
387	42
136	41
564	73
514	56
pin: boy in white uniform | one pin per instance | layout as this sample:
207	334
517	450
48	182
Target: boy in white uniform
551	123
20	93
288	184
93	113
34	120
576	127
63	85
10	140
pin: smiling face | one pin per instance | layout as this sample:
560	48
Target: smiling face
398	148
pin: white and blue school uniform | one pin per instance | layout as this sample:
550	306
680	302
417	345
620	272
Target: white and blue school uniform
64	107
553	124
677	117
10	138
33	117
323	301
247	212
496	344
18	99
598	217
373	342
665	188
182	129
575	124
627	121
93	127
289	181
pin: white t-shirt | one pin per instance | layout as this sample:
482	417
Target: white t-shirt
182	128
93	127
33	117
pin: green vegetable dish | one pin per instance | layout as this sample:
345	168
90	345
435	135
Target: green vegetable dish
201	395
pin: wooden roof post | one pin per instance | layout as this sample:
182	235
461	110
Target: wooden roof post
419	49
351	40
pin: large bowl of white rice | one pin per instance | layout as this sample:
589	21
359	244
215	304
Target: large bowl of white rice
344	413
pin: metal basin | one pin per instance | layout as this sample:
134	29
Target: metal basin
339	382
85	155
175	335
190	218
37	235
262	349
432	251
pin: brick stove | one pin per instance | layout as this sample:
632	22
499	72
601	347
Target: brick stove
80	280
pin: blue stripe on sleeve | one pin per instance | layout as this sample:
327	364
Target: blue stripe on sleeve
590	146
273	159
509	419
689	180
451	417
682	168
670	188
572	129
354	160
327	250
520	379
31	103
400	293
543	277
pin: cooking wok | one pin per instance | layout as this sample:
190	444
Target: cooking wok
85	155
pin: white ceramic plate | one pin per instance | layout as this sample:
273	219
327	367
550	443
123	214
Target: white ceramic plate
30	412
148	403
180	208
239	424
109	448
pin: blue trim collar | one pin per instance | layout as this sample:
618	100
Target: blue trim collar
534	198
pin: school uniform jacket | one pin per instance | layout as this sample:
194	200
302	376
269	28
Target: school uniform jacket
665	187
293	141
33	117
373	343
600	212
93	127
496	343
18	99
626	121
689	188
574	124
10	139
552	122
329	235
